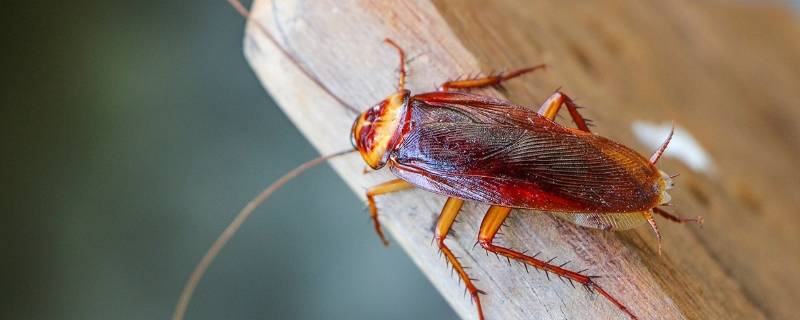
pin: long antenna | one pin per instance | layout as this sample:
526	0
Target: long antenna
236	4
216	247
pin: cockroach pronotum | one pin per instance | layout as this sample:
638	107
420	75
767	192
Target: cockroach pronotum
471	147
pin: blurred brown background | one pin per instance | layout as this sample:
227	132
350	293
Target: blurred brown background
132	133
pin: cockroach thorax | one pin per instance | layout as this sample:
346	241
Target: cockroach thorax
376	130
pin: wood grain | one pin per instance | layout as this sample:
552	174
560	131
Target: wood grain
724	71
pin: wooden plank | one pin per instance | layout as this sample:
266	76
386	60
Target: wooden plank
722	70
685	61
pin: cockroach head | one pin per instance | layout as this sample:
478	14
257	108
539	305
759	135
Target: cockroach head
377	130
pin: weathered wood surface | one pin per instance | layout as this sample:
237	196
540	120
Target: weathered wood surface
725	71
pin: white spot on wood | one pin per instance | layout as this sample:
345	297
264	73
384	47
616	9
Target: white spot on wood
683	146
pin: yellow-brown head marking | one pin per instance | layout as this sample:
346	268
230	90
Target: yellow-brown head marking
376	130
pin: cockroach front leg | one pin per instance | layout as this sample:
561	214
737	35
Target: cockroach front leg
446	219
383	188
491	224
550	107
489	81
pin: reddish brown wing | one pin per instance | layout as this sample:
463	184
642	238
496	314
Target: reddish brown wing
490	151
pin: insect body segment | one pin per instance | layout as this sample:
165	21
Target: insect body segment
473	147
376	130
501	154
482	149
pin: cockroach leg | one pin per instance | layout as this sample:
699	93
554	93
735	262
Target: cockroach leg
402	69
676	218
649	216
383	188
490	81
550	107
446	219
491	224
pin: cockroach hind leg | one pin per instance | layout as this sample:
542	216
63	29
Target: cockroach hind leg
649	216
676	218
492	222
443	227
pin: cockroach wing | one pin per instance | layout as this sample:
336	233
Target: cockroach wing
509	156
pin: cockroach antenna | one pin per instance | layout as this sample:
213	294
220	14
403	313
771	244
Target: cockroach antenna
241	217
654	158
236	4
230	230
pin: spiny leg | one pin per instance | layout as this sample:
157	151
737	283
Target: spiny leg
550	107
489	81
383	188
491	224
676	218
402	70
446	219
649	216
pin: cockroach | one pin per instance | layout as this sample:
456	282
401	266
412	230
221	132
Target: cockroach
470	147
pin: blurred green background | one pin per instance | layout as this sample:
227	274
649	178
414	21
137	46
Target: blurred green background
132	133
